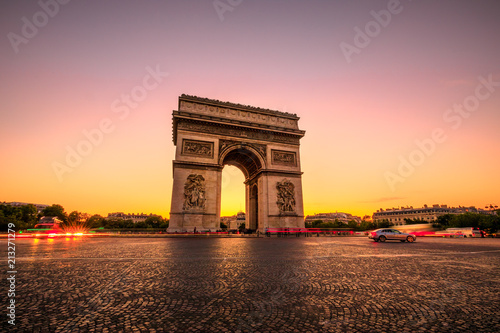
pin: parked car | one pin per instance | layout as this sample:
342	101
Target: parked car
391	234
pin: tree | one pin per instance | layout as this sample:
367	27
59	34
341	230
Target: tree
488	223
154	221
96	221
141	225
164	224
414	221
14	214
366	225
383	224
467	220
128	224
76	217
112	223
316	223
353	225
443	221
29	215
5	219
57	211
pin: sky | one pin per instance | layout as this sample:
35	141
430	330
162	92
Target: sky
400	100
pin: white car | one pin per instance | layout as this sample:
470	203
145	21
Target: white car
391	234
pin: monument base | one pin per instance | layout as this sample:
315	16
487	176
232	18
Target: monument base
187	222
286	221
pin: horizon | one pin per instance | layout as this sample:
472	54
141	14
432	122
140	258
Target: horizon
234	214
398	100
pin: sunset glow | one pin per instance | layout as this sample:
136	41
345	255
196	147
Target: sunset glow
87	100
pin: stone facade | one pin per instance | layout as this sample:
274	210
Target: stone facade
264	144
426	214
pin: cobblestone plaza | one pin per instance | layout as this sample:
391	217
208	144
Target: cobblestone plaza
314	284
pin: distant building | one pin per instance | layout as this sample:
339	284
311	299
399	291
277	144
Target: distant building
234	222
427	214
134	217
39	207
332	217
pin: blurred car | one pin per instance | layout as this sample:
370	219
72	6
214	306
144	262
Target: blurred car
381	235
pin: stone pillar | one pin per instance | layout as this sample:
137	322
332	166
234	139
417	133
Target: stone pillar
195	198
285	203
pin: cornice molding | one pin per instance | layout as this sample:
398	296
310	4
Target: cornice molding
215	102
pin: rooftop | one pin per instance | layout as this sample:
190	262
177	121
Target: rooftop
239	106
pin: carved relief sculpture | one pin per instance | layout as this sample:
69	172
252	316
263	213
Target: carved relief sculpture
199	148
261	148
283	157
285	196
223	144
236	132
194	192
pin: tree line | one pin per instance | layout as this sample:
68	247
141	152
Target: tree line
27	216
488	223
23	217
336	224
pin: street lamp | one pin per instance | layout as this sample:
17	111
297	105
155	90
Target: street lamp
491	207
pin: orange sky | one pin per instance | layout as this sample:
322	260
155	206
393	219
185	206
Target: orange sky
362	113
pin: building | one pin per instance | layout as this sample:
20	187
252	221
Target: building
332	217
39	207
234	222
264	144
134	217
427	214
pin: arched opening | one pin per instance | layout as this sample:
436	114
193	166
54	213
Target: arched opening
244	159
232	197
250	163
253	222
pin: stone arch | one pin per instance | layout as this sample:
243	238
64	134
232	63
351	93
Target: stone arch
251	162
262	143
244	157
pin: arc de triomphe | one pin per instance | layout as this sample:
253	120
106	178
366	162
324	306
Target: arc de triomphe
264	144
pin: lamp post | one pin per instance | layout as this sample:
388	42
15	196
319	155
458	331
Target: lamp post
491	208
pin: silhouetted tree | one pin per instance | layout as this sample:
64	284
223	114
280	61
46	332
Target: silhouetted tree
29	215
383	224
56	210
154	221
414	221
488	223
96	221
